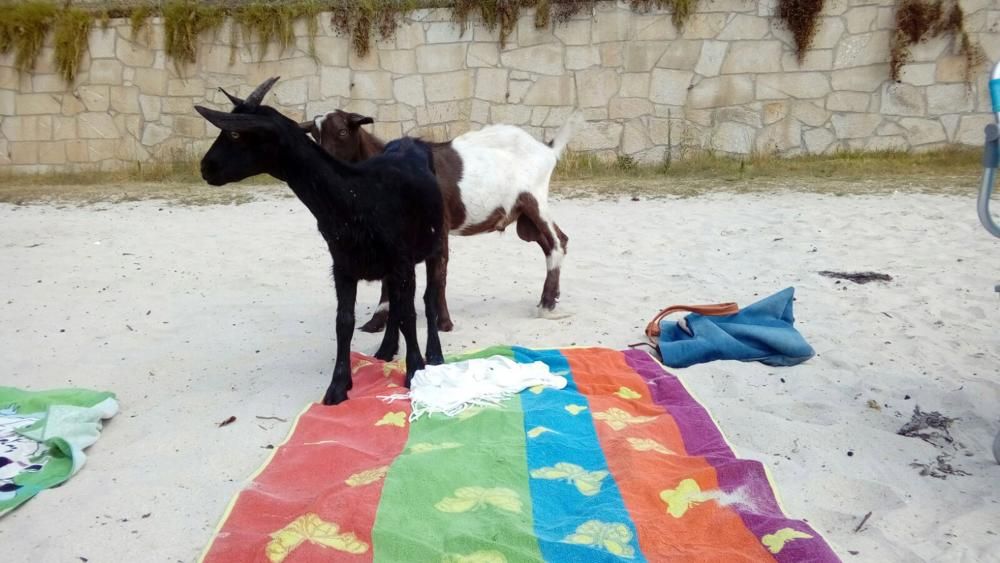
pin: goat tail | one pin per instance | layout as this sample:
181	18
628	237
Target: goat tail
566	132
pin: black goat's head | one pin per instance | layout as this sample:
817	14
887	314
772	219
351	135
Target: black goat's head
250	139
340	134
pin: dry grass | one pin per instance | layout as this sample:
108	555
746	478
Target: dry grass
948	171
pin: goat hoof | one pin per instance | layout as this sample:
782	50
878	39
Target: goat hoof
374	325
385	356
435	360
335	396
445	325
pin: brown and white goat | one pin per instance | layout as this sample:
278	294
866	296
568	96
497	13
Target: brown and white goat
489	179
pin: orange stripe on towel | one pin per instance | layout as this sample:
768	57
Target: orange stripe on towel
648	459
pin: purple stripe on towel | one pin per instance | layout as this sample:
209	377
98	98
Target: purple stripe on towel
746	478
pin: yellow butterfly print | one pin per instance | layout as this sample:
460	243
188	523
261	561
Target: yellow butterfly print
627	393
311	528
367	477
358	365
587	482
776	542
424	447
466	499
537	389
389	367
538	431
393	418
488	556
613	537
648	445
687	494
618	419
575	409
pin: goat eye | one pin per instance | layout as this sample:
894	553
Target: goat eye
343	133
234	134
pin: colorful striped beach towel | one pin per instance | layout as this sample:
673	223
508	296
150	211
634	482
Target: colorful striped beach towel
621	465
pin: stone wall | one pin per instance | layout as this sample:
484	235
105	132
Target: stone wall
729	82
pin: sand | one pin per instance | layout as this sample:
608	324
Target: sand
195	314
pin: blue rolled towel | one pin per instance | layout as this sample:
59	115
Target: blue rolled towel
762	332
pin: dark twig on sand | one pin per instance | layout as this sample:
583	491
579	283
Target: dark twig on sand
857	277
228	421
863	520
272	418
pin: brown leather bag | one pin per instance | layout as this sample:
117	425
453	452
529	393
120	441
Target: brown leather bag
717	309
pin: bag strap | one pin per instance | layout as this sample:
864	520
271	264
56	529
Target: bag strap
716	309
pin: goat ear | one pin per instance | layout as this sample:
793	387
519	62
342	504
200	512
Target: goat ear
236	101
237	122
310	128
257	96
357	120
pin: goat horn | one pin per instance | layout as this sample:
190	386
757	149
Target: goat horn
236	101
257	96
306	125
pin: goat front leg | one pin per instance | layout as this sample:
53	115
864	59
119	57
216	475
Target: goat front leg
444	323
381	314
431	293
347	291
401	296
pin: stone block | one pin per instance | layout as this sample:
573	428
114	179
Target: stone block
779	137
848	101
809	113
449	86
101	43
891	143
578	58
154	134
105	71
37	104
627	108
652	27
47	83
681	55
635	85
574	32
186	87
919	74
23	152
483	55
949	69
292	92
133	55
744	26
863	79
446	32
71	105
188	126
367	62
63	128
703	25
491	84
641	56
372	85
52	152
480	112
970	128
711	57
814	60
855	125
409	90
861	19
124	99
611	54
753	57
395	112
597	136
800	85
94	125
441	58
817	141
611	26
670	86
335	82
774	111
862	50
948	98
410	36
332	51
923	131
510	114
596	87
552	91
399	62
747	115
903	99
540	59
930	50
634	137
721	91
151	81
733	138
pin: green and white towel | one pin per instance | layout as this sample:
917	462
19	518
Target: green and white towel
42	438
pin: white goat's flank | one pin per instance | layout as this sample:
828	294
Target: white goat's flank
499	163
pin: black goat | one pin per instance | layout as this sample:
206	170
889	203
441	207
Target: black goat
379	218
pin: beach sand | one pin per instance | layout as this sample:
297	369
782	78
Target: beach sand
195	314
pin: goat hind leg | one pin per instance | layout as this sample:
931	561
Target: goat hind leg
533	226
381	314
434	354
404	293
444	322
